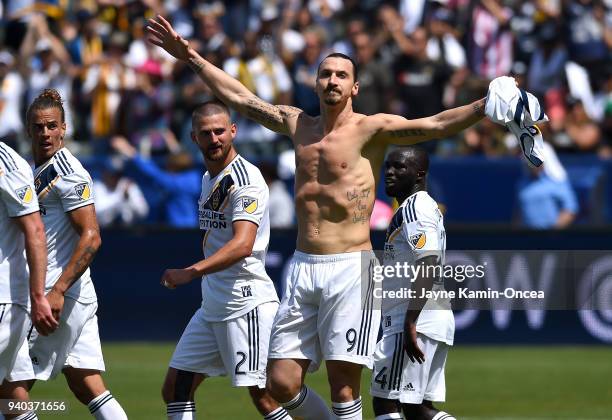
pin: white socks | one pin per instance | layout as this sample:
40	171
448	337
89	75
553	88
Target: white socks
308	405
105	407
183	410
389	416
30	415
443	416
279	414
351	410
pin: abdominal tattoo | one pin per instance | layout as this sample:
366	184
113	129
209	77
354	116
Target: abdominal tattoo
360	213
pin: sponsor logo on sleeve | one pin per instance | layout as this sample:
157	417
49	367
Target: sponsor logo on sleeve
418	240
25	194
83	191
249	204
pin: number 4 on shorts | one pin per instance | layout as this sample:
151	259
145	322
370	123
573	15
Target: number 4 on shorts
381	377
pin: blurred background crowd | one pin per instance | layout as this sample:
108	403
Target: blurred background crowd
128	104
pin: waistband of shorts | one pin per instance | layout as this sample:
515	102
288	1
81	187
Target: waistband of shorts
328	258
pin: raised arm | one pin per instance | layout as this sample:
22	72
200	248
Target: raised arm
394	129
279	118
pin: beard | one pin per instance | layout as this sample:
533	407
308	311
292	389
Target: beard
333	100
217	154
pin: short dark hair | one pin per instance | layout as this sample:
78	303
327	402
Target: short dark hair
210	107
345	57
416	154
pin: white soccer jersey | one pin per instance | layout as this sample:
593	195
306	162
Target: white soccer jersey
416	230
63	185
17	198
239	192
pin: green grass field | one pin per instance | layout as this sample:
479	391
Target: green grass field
482	383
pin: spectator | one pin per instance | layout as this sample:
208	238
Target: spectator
51	68
490	39
346	44
547	66
485	139
304	72
546	201
11	91
265	76
584	132
375	80
390	39
280	204
103	87
420	81
179	184
119	200
444	47
443	44
211	34
146	109
587	32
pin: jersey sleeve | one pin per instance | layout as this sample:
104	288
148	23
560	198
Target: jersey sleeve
75	190
421	228
18	193
249	203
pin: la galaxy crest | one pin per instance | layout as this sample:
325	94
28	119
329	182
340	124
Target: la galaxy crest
25	194
215	199
83	191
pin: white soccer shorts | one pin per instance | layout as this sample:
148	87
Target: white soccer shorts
76	343
328	310
237	347
395	377
14	323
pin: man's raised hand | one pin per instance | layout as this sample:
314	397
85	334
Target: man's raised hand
162	34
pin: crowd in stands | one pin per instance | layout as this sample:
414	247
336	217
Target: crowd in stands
125	97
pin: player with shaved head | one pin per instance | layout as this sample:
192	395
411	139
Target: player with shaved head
410	358
323	315
229	334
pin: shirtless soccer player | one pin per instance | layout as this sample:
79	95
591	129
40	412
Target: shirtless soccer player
66	203
323	315
21	230
229	334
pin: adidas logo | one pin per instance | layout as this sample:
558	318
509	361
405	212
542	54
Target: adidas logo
408	387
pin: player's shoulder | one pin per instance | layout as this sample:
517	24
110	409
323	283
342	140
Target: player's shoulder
420	206
11	161
245	173
67	165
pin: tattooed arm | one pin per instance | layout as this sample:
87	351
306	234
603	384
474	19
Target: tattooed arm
393	129
279	118
84	222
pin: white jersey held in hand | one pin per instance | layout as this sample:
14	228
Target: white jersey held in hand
518	110
239	192
63	185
